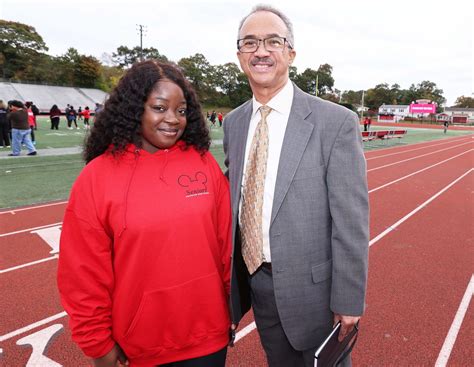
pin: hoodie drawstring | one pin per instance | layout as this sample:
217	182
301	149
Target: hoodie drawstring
124	225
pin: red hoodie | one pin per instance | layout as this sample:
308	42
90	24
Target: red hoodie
145	256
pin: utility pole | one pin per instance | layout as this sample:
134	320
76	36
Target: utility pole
362	106
141	29
317	82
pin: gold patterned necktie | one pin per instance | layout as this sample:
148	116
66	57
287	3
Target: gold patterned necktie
252	195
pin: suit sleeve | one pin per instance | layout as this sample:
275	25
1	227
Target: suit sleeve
85	274
349	206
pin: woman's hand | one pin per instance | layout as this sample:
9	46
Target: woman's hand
115	358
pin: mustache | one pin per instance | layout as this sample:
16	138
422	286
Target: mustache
257	60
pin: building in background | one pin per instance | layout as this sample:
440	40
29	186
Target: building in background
392	113
460	115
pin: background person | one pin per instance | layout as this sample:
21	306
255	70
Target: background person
446	125
366	123
144	264
36	112
4	128
300	204
72	117
31	121
87	114
18	119
54	116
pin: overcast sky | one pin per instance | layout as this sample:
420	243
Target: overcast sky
367	42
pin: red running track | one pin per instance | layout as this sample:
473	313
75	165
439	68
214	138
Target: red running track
419	269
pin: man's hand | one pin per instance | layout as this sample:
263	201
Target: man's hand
233	329
116	357
347	324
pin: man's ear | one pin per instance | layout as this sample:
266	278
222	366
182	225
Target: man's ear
292	55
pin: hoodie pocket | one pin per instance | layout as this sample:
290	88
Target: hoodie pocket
179	316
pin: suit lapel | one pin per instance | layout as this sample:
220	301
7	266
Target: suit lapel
242	129
297	134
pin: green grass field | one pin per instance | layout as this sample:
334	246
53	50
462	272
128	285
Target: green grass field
30	180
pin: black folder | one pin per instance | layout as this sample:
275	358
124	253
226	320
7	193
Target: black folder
331	352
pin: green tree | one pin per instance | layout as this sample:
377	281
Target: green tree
464	102
325	79
293	73
87	72
352	97
429	90
201	74
126	57
110	76
306	81
66	66
377	96
20	46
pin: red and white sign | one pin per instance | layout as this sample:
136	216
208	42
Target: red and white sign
422	108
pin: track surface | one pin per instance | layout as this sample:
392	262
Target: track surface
419	309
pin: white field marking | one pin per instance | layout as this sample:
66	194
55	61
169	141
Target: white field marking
418	156
29	264
249	328
427	143
246	330
51	236
32	207
30	229
39	341
395	225
421	170
411	150
32	326
455	326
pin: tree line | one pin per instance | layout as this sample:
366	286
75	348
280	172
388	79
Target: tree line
23	58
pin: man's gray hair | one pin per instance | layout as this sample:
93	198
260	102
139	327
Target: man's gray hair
278	13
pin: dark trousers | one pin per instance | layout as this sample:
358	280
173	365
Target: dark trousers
4	136
216	359
277	348
32	128
54	123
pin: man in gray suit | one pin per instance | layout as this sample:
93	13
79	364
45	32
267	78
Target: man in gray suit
299	201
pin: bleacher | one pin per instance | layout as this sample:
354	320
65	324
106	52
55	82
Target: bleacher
382	135
45	96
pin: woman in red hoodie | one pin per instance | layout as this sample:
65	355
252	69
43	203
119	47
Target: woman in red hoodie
144	262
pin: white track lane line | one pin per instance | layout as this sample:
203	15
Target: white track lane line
419	171
29	229
14	211
417	209
246	330
455	326
412	150
32	326
418	156
250	327
29	264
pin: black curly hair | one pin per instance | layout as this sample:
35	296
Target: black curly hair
119	123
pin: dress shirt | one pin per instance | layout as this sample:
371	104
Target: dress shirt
277	121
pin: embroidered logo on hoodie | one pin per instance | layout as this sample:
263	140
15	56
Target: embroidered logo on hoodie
194	186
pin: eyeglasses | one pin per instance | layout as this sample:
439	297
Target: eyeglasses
271	44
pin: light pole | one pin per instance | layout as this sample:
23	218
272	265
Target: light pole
141	29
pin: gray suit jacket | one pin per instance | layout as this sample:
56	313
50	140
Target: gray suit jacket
319	223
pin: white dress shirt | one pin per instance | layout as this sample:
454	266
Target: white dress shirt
277	121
